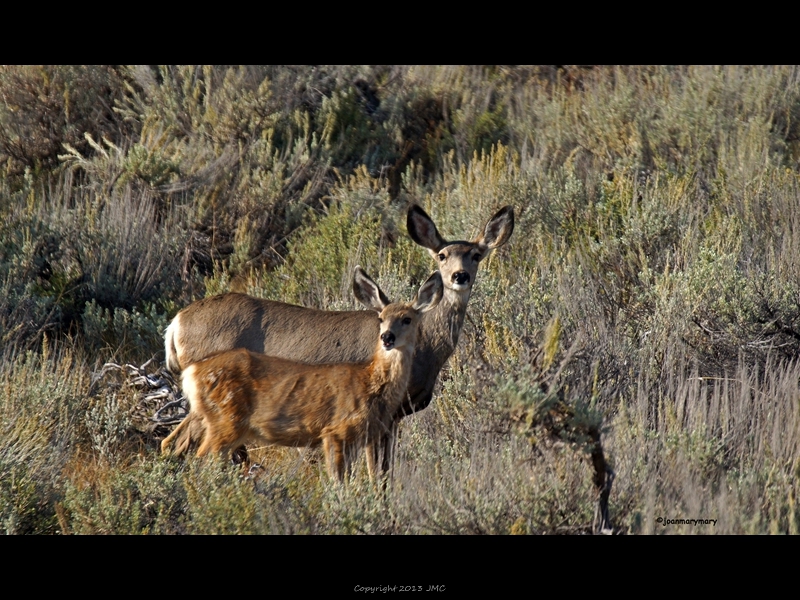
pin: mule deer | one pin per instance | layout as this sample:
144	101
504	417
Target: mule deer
236	320
241	396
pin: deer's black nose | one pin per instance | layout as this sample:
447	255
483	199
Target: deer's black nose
388	339
461	277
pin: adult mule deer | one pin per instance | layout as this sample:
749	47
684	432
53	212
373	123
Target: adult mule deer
236	320
242	396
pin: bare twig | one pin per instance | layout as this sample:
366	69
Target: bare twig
160	399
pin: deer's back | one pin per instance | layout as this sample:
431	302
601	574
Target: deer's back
296	333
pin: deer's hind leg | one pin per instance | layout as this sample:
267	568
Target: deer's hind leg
167	441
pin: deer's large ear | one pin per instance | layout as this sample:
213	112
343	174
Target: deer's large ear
430	293
423	230
367	291
499	228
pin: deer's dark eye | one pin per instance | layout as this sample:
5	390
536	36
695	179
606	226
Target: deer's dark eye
407	321
442	256
476	257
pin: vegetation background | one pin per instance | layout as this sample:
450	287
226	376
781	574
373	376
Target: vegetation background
652	286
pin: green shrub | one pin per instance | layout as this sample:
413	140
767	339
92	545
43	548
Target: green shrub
145	497
47	107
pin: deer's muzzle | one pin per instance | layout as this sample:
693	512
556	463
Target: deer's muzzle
461	277
388	340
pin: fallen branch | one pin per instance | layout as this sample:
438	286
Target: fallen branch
161	401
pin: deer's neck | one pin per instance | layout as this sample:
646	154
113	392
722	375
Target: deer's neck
441	326
390	374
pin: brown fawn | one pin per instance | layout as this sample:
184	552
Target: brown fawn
243	397
236	320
